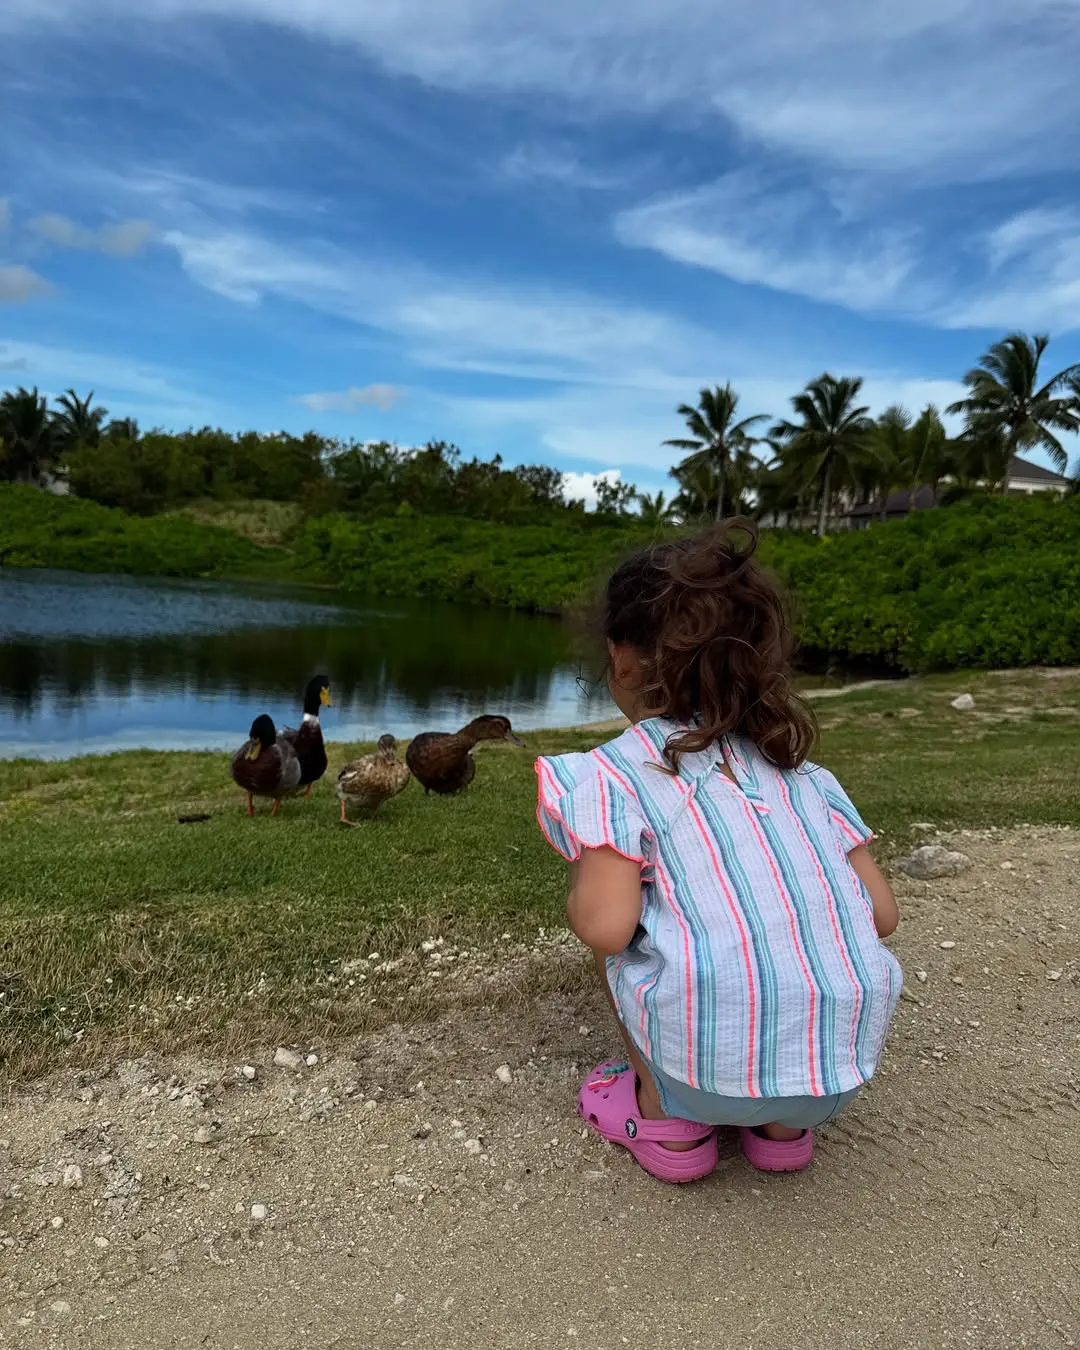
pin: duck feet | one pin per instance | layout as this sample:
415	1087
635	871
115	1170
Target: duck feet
277	803
251	805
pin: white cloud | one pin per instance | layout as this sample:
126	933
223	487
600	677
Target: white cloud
943	88
793	239
535	163
122	240
18	283
454	323
581	487
381	396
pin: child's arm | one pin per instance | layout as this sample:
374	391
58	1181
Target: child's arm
604	904
886	914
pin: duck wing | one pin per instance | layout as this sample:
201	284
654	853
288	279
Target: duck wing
307	741
274	770
441	762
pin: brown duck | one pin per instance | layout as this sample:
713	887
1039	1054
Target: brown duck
266	765
442	762
307	739
369	781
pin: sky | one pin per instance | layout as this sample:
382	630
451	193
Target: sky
532	227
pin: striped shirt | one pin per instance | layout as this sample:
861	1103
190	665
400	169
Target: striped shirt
756	970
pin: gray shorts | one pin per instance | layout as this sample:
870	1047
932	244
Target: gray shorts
709	1108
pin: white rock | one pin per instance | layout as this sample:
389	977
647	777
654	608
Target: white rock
61	1307
924	826
101	1243
311	1061
205	1135
1054	974
503	1074
250	1072
932	861
964	703
473	1146
947	945
287	1059
399	1299
72	1177
921	976
258	1213
58	1222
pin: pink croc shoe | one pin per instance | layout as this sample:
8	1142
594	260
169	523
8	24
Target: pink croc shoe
608	1102
777	1155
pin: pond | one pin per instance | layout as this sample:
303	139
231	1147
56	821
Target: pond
90	664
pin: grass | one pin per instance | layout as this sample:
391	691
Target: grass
267	524
121	928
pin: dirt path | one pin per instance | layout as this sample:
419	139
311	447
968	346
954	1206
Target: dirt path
414	1198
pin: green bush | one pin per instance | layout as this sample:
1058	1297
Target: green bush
38	529
990	583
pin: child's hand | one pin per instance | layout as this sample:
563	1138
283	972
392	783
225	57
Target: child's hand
604	904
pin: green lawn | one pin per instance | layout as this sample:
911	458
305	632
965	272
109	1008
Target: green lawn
120	926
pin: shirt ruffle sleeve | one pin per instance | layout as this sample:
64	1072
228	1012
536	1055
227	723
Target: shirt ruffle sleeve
580	806
848	825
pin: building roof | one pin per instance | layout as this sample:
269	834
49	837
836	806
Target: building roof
896	504
1034	473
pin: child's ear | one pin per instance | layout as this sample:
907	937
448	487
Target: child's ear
625	665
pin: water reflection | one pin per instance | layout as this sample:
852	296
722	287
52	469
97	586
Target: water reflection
95	663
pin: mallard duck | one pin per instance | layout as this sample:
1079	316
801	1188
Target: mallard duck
307	739
442	762
372	779
266	765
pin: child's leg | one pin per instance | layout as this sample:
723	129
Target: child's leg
647	1095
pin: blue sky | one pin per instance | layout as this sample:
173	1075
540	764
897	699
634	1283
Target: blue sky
528	227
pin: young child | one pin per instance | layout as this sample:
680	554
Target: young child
722	881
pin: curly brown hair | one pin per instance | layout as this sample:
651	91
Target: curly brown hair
713	634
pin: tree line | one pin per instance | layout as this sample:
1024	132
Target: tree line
827	456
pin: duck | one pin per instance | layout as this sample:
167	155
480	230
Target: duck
372	779
266	765
307	739
442	761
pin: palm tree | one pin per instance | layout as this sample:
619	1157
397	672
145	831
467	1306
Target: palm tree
888	466
699	491
1005	399
28	448
931	455
121	429
77	422
715	437
656	510
830	440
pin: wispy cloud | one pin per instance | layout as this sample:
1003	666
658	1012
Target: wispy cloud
17	363
452	322
926	87
792	239
18	283
381	396
124	239
539	163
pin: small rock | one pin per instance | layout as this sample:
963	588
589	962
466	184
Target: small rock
947	945
473	1146
311	1061
503	1074
964	703
1054	974
287	1059
1007	866
258	1213
58	1223
101	1243
205	1135
72	1177
924	827
404	1182
422	1131
61	1307
932	861
250	1072
399	1299
921	976
583	1030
